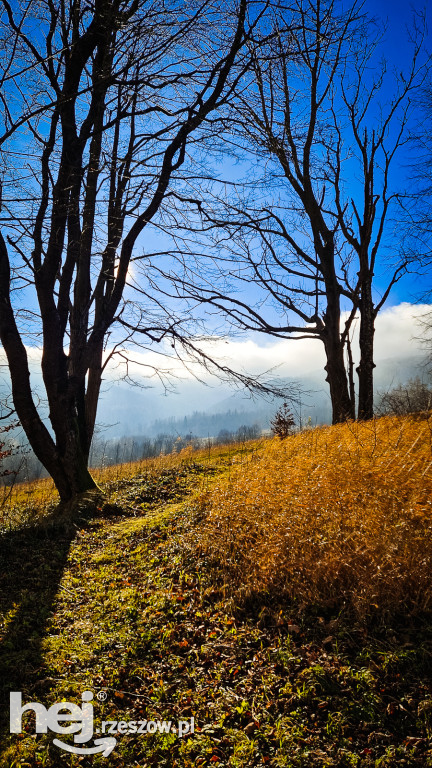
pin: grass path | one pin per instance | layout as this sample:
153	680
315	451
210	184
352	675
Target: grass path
123	608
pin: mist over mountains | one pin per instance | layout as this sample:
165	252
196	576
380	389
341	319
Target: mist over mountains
145	420
150	421
204	411
400	354
234	417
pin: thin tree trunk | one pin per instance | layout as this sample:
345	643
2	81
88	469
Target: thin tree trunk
351	375
366	344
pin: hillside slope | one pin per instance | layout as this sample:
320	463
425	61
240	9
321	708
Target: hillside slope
201	599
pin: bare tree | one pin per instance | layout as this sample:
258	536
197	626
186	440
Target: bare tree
99	103
413	397
379	130
418	211
308	232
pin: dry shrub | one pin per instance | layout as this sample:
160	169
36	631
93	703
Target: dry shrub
283	423
338	516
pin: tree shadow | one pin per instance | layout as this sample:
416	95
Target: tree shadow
32	562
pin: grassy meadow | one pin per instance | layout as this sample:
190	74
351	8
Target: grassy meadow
279	592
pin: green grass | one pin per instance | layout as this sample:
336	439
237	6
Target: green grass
120	604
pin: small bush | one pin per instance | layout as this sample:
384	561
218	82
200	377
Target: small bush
7	450
412	397
283	423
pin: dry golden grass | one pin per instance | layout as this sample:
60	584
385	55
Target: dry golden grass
337	516
26	503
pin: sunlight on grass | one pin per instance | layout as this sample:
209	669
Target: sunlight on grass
27	503
339	515
138	604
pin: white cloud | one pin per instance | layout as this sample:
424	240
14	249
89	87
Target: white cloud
399	331
397	336
397	343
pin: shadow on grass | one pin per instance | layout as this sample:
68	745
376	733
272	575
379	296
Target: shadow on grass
32	562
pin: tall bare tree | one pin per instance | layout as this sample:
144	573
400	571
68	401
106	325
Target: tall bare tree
99	102
315	116
418	212
378	131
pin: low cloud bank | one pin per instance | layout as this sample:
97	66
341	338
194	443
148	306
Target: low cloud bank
398	350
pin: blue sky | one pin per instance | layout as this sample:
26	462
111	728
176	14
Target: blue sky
397	15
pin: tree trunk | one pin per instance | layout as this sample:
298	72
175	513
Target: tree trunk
342	405
69	420
351	375
74	477
66	462
366	343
